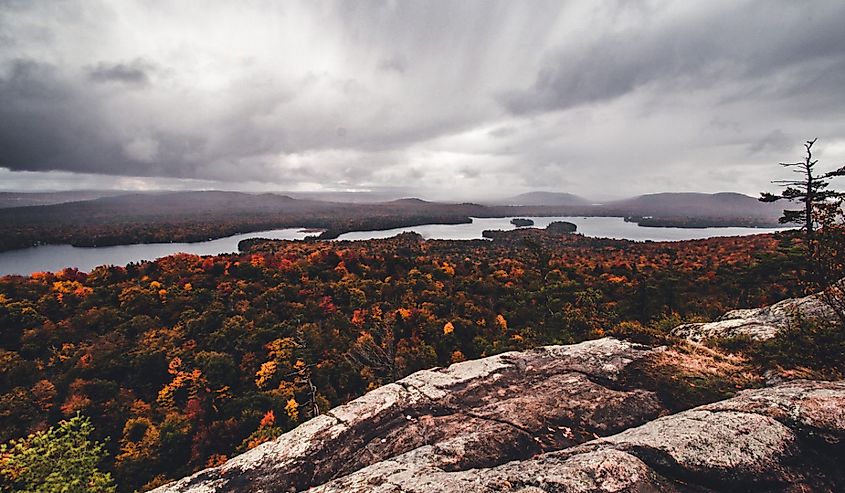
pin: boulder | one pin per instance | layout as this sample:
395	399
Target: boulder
757	323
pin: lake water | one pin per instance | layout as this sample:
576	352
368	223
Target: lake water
604	227
52	258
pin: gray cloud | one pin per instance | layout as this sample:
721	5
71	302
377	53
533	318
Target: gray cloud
134	73
749	43
450	98
775	140
396	63
46	123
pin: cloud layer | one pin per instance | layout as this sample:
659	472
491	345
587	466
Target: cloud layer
448	99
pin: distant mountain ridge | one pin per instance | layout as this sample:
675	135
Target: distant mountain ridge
28	199
655	204
546	199
155	217
676	204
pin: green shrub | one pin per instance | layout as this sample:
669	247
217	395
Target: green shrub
813	344
60	459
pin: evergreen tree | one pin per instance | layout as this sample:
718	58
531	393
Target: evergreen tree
819	215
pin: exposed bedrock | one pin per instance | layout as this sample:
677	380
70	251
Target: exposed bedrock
758	323
559	418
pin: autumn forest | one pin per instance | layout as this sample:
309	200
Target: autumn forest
186	361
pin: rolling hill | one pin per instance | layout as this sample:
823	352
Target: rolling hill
691	204
552	199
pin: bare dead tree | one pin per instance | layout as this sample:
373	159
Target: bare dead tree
376	349
377	355
304	374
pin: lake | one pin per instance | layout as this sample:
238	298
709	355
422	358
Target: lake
52	258
605	227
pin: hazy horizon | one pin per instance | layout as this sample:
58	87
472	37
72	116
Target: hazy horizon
448	101
364	196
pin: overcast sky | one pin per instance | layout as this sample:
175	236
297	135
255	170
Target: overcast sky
451	99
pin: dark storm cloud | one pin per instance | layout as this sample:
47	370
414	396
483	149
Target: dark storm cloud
47	124
449	97
750	43
51	122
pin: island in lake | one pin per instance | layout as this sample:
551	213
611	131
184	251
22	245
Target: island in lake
521	222
560	227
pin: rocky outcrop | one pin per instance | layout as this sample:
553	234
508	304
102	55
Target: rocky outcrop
757	323
785	438
505	407
560	418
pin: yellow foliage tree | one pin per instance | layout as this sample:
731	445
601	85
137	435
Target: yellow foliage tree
264	376
292	410
140	441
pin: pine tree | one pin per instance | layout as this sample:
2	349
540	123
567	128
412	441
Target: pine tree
811	190
820	212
